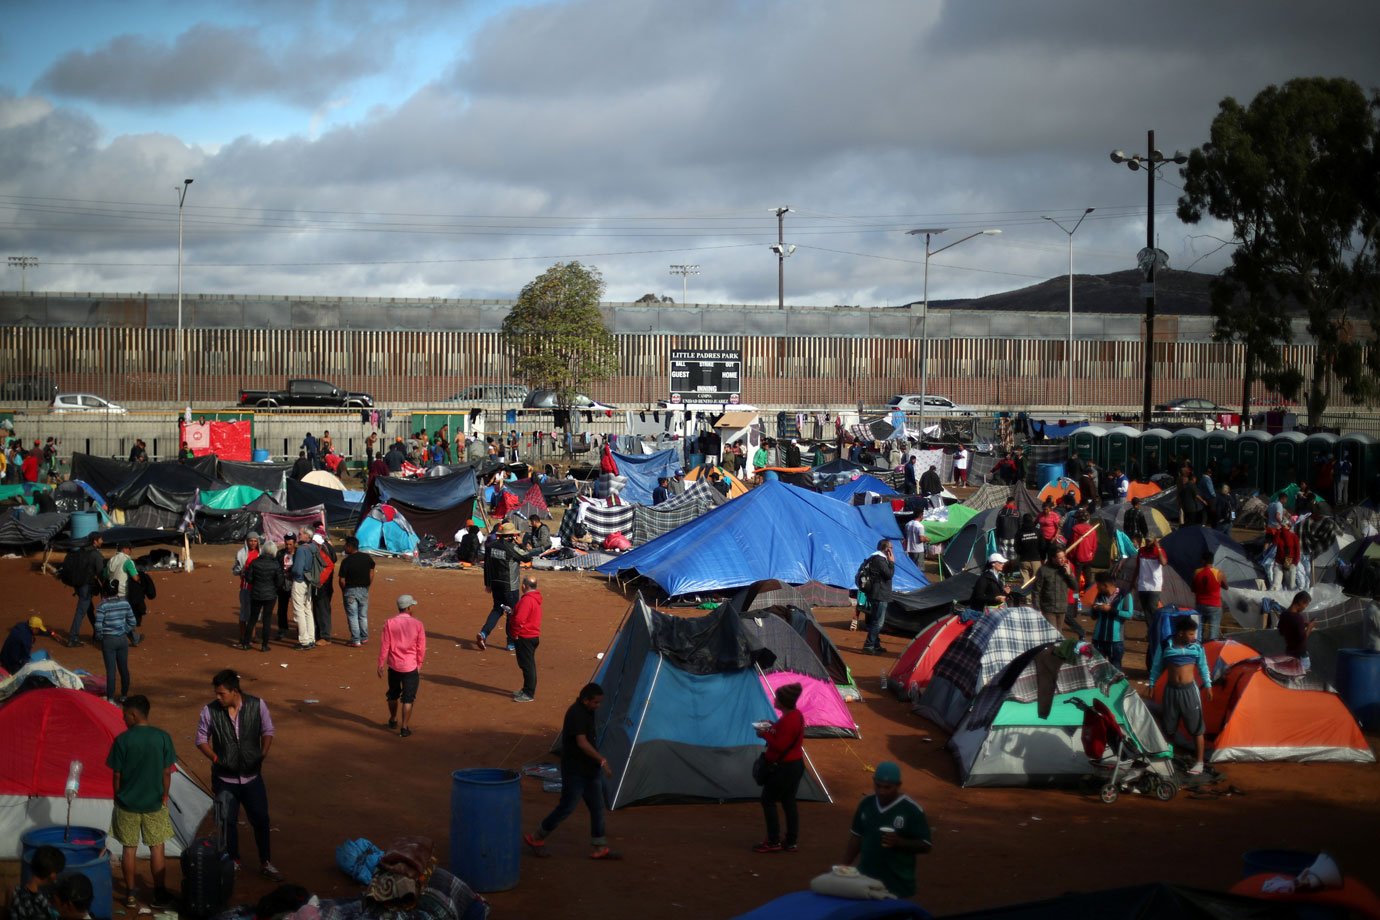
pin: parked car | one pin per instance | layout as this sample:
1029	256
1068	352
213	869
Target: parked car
546	399
306	393
1192	407
85	402
933	405
29	388
491	392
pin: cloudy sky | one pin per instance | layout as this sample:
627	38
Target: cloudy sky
444	148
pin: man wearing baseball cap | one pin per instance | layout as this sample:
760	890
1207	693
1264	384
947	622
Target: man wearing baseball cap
19	644
402	652
889	831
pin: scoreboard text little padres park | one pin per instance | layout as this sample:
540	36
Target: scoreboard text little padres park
704	375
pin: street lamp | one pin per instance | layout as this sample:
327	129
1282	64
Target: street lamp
23	263
1150	258
1069	356
925	310
684	271
181	350
783	252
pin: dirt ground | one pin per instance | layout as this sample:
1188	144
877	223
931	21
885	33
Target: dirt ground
335	772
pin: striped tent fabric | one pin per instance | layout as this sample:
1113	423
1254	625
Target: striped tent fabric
599	517
651	521
571	559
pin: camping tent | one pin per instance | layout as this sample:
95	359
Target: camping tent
651	521
680	697
599	518
1259	712
817	640
969	547
325	479
913	611
1003	740
790	660
385	531
20	529
1185	548
939	530
1114	516
776	532
439	506
1057	489
44	731
736	487
977	656
266	476
911	673
864	483
642	472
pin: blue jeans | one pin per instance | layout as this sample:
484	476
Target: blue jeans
875	621
115	651
574	787
1112	651
1212	623
502	598
84	611
357	613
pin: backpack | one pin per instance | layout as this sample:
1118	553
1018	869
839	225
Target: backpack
69	573
862	579
320	568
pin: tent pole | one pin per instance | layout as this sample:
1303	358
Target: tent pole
613	804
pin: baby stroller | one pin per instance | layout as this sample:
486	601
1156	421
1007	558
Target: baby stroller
1118	759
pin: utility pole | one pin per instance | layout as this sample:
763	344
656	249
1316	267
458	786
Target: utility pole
782	251
181	348
23	263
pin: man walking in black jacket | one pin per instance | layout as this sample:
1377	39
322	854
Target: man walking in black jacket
881	568
503	559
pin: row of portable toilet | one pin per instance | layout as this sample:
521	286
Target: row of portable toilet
1271	461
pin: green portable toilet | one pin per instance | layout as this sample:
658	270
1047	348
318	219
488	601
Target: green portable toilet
1190	444
1253	452
1155	446
1088	443
1363	451
1122	445
1288	460
1220	448
1316	447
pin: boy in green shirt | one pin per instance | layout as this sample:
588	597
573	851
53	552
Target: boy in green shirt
889	830
143	760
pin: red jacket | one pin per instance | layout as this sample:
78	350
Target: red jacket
1087	550
1049	524
785	738
1287	548
525	622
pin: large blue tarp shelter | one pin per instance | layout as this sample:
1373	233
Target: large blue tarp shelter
434	493
776	531
864	483
642	472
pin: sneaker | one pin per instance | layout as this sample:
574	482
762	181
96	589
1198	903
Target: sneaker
1196	769
355	643
74	643
263	648
521	697
511	647
533	841
306	648
270	872
392	723
162	899
767	846
479	641
131	901
405	733
605	853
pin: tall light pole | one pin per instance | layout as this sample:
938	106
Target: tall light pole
931	232
23	263
181	349
684	271
1068	358
1150	258
782	253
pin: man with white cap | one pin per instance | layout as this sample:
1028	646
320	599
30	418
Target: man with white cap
402	652
990	590
889	830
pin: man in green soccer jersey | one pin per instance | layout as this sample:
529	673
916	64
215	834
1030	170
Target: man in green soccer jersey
889	829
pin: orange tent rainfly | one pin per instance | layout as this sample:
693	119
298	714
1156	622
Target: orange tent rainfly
912	671
1057	489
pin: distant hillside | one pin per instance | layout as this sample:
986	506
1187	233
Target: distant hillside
1176	293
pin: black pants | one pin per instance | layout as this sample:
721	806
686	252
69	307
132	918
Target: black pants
783	781
527	662
253	795
321	610
284	605
260	611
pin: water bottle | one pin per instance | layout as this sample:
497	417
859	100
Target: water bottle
73	781
884	678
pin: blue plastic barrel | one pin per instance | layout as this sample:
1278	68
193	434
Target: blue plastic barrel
85	852
696	460
1358	684
1046	473
486	828
84	524
260	455
1276	862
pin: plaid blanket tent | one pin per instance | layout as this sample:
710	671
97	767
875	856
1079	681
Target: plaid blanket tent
599	517
651	521
975	657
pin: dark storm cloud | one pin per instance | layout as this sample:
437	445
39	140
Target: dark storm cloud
209	62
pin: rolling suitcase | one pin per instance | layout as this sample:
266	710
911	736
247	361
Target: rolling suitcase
208	872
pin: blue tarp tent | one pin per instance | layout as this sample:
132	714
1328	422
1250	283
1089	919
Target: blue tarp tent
642	473
881	519
864	483
434	493
806	905
776	531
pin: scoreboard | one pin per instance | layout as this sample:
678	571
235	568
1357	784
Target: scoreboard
706	376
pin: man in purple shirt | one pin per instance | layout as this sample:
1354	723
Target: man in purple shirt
235	732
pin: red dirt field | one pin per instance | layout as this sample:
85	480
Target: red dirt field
335	772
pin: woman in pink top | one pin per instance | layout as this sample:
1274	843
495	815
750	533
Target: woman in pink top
785	768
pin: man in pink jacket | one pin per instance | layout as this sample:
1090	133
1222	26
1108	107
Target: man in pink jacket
402	653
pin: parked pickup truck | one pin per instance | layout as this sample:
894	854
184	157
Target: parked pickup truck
306	393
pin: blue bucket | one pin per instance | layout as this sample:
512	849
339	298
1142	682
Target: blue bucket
486	828
85	852
84	524
260	455
1358	684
